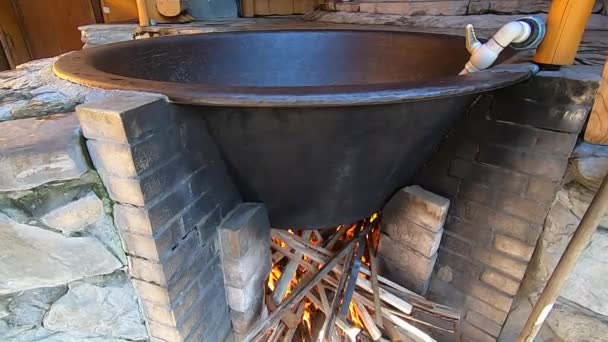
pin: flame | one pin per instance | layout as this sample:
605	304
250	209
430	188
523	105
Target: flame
354	317
350	232
274	276
307	316
374	217
309	310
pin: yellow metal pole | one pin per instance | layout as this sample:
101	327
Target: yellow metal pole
565	27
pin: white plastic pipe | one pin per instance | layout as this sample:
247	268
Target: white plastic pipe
484	55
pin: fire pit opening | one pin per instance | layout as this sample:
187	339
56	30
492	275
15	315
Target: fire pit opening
200	180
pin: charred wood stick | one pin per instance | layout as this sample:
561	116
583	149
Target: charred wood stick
292	331
352	276
288	318
277	256
318	236
348	329
373	263
392	331
319	254
414	319
346	286
292	256
327	329
298	294
288	273
311	252
410	330
332	241
277	333
368	321
323	295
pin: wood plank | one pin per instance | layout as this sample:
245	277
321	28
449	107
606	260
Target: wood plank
597	127
261	7
17	50
248	8
119	10
51	27
280	7
303	6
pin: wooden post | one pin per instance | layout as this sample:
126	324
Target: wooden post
142	13
596	131
566	263
247	8
170	8
565	27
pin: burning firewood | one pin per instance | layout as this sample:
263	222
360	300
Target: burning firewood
326	288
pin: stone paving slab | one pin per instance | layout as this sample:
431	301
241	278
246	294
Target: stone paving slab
37	151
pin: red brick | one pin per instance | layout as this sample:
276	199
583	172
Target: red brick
541	189
486	310
502	262
456	244
500	281
470	333
491	296
536	164
492	176
483	323
513	247
523	208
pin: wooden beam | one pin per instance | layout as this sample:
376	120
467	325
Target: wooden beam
597	127
247	8
142	13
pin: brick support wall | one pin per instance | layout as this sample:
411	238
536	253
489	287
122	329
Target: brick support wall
501	168
171	192
412	226
245	242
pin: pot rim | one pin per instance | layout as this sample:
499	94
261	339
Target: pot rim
78	67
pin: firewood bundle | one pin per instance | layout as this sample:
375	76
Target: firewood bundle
326	288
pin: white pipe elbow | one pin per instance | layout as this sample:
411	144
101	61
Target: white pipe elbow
513	32
484	55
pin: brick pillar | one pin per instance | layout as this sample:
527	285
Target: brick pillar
412	226
171	191
501	168
245	243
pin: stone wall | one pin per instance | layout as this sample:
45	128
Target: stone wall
171	191
62	270
581	311
444	7
501	168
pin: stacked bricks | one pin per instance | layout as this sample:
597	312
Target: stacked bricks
245	251
171	192
412	225
501	168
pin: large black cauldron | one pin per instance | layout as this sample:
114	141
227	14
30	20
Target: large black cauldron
320	125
